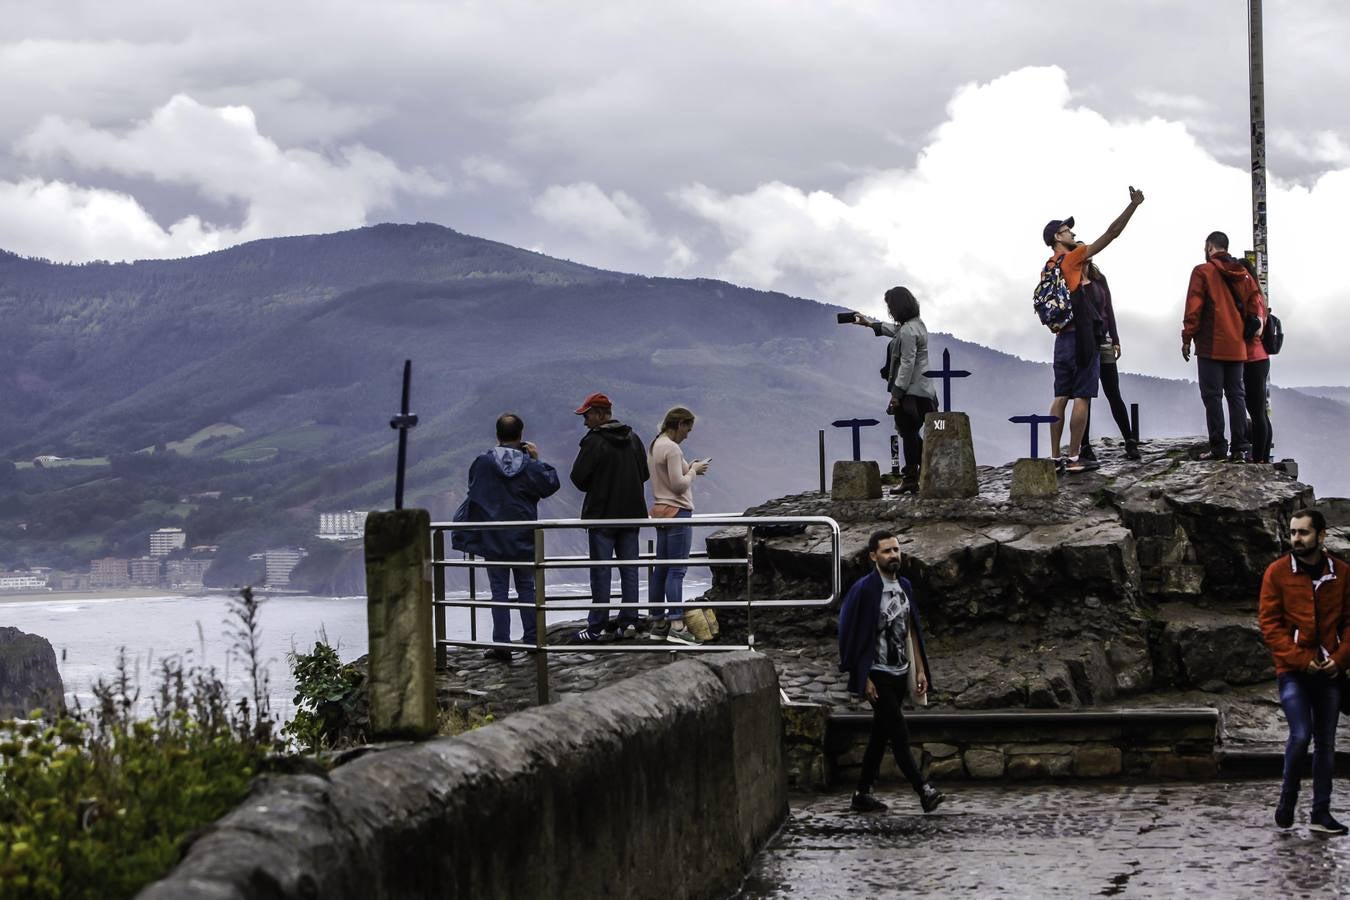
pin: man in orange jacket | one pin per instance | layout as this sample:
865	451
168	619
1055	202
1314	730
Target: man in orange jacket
1305	620
1217	301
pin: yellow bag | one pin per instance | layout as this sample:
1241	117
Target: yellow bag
696	621
712	622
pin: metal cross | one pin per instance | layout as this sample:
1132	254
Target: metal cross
1035	421
857	425
947	373
402	422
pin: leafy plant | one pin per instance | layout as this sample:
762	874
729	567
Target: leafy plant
97	803
326	697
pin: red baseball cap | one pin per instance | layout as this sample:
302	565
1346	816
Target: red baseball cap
599	401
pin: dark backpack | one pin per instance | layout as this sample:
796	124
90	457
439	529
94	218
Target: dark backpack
1273	337
1051	299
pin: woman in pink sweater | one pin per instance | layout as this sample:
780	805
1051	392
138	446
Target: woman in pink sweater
673	498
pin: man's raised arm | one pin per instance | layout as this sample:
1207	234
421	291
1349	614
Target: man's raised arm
1118	226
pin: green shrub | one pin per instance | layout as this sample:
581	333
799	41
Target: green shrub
97	804
326	697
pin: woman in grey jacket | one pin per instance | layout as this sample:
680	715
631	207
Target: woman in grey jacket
912	393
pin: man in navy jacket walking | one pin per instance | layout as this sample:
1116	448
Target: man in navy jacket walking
506	484
881	647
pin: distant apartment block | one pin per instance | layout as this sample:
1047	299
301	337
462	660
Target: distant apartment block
109	572
145	572
342	526
167	540
22	581
186	573
280	564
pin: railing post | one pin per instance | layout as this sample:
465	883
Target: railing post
749	586
438	597
822	460
540	621
402	662
473	596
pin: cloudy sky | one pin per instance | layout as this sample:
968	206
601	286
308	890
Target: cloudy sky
825	149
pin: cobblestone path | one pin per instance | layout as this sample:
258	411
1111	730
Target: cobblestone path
1214	840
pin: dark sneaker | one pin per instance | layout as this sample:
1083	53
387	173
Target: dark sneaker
867	803
1284	811
1080	464
1213	455
1323	823
500	654
586	636
1132	450
1087	453
909	486
660	628
930	798
1238	458
683	636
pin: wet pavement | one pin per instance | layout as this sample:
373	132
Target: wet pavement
1137	840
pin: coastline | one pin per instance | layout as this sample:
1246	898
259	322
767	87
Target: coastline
101	594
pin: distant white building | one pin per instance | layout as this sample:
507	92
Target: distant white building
342	526
167	540
186	573
20	581
145	572
280	564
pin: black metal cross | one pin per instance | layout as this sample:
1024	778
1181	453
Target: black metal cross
1035	421
857	425
947	373
403	421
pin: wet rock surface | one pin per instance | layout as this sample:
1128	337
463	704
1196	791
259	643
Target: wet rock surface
1035	841
29	677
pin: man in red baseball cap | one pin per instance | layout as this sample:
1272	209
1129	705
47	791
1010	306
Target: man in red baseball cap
610	469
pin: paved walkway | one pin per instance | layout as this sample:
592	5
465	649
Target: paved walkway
1157	840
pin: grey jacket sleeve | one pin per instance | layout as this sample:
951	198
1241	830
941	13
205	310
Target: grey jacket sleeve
884	329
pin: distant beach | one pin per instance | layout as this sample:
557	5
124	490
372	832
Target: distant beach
100	594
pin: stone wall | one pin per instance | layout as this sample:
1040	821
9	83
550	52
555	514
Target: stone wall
663	786
1131	743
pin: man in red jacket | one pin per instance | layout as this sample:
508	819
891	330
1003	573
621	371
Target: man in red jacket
1305	620
1217	301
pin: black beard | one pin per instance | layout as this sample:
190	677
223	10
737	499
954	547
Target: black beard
890	569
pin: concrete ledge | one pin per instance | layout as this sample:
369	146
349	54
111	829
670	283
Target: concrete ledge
663	786
1059	744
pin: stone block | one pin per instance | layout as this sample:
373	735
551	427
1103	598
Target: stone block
981	763
1033	479
948	458
856	480
939	769
1031	765
1185	768
941	751
402	667
1097	762
1057	749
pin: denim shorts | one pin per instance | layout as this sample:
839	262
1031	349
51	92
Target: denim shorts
1071	379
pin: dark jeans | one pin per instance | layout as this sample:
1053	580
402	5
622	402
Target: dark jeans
1312	704
909	425
499	580
666	583
1254	377
888	724
1220	381
1111	388
607	544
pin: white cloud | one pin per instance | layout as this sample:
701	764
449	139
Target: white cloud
1324	147
586	209
487	170
1185	103
219	153
962	227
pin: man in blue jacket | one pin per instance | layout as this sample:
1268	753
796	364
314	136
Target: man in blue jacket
506	484
881	647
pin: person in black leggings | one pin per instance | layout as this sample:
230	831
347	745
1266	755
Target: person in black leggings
1255	377
1100	292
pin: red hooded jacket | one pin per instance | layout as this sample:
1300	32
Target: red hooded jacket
1212	319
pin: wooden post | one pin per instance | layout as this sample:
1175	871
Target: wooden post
402	661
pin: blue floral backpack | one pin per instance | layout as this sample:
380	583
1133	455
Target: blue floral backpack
1051	298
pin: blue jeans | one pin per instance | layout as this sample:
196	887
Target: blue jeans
607	544
666	584
499	582
1312	704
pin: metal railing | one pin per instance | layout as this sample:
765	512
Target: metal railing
543	563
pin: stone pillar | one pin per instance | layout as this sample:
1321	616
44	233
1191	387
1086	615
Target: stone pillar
1033	479
948	458
402	661
856	480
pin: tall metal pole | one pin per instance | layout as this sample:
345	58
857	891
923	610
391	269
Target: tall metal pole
1256	81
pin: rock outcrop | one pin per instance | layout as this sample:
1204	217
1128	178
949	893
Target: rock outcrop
29	678
1141	575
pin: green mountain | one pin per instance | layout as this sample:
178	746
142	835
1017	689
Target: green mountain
269	372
